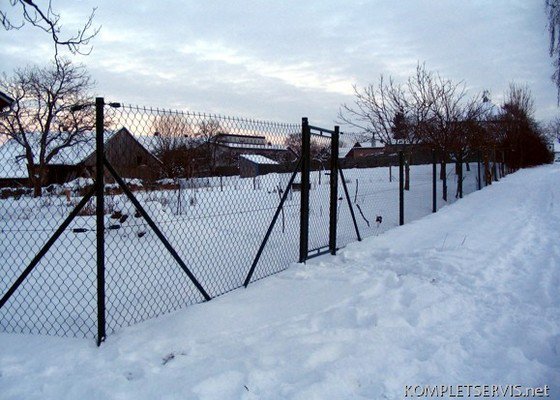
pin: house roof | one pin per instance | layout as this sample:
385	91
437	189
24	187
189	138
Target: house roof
367	145
343	151
244	142
258	159
5	100
13	163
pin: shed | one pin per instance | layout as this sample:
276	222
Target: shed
251	165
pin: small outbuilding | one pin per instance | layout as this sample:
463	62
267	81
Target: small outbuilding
251	165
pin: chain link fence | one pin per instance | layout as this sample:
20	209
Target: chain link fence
147	211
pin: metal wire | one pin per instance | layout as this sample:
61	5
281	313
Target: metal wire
210	185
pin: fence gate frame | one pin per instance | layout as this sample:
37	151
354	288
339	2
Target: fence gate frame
307	132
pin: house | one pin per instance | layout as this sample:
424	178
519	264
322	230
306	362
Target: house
132	156
5	102
223	151
360	150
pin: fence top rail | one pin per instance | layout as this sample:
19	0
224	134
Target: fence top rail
321	131
204	115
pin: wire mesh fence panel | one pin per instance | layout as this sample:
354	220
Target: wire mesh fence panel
282	248
470	176
194	206
211	184
142	278
374	195
418	191
39	189
319	193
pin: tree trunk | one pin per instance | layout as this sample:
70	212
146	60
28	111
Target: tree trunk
487	173
37	176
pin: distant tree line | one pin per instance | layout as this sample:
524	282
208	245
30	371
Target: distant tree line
436	112
180	144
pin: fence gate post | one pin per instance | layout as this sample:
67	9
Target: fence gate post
305	170
401	188
334	190
100	221
434	181
460	174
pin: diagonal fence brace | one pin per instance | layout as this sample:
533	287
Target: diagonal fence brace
350	204
271	226
156	230
47	246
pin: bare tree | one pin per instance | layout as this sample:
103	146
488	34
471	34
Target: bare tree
172	131
427	109
449	116
553	129
42	120
175	143
390	113
520	132
207	131
317	150
48	20
374	110
553	13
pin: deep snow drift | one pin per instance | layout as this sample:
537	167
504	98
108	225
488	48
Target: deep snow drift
465	296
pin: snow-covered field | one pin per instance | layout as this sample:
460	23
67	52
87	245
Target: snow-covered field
466	296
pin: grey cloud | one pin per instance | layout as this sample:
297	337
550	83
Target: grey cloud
284	60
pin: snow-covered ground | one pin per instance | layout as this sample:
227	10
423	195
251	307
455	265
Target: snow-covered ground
465	296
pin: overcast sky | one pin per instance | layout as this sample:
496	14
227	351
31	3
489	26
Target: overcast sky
283	60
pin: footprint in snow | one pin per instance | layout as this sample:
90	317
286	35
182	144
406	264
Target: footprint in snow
171	356
133	375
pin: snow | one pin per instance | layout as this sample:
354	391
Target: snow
258	159
468	295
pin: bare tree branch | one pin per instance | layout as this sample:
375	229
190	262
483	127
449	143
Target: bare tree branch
41	120
553	13
49	21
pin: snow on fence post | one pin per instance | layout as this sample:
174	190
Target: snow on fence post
100	218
